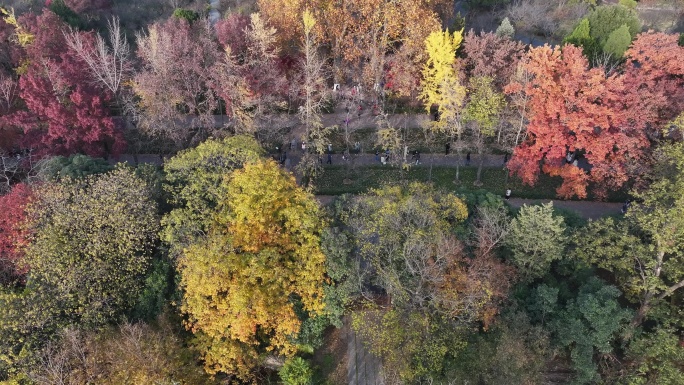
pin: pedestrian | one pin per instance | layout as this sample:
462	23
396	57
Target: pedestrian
377	155
303	146
508	194
329	148
468	159
283	157
329	158
293	144
625	207
383	160
447	148
417	157
505	159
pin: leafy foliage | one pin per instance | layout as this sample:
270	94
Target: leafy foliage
194	180
13	234
263	250
91	244
536	239
126	355
73	167
296	371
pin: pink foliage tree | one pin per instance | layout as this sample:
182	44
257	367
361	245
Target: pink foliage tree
493	56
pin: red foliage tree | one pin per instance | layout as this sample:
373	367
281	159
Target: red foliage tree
66	112
575	107
654	79
231	32
12	233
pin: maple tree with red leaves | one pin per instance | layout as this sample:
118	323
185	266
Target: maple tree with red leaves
654	80
577	108
12	233
66	112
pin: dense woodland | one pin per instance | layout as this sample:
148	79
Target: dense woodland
221	267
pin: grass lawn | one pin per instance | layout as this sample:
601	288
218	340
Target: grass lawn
337	180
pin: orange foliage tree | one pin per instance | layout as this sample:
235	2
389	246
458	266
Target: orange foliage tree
577	108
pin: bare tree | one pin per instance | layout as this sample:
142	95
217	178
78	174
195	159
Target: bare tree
110	64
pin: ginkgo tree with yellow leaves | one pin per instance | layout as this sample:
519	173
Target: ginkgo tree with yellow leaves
441	86
240	283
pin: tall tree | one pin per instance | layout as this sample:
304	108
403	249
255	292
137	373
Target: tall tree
91	243
482	114
175	98
262	253
575	108
65	111
194	182
646	253
441	86
491	55
312	92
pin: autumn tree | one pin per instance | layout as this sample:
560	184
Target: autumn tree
65	111
88	247
194	182
441	86
656	76
125	355
313	94
489	54
13	234
175	98
574	108
262	253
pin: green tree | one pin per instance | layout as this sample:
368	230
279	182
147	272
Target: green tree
92	244
581	37
605	19
505	29
646	251
241	282
655	358
586	322
296	371
482	112
536	239
618	41
194	181
75	166
186	14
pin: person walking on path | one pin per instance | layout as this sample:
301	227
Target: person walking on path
468	159
505	159
508	194
329	158
417	157
447	148
377	155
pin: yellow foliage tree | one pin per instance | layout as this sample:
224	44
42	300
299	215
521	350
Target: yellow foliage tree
240	283
441	85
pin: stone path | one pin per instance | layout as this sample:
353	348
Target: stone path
363	368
